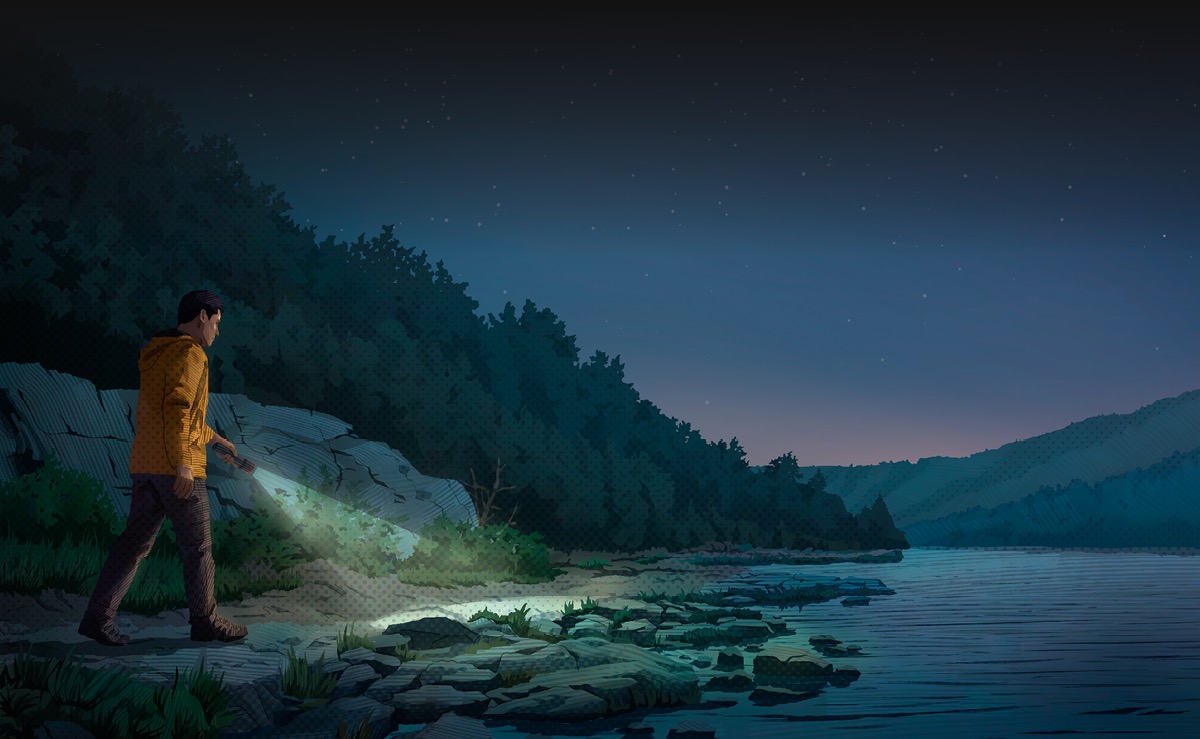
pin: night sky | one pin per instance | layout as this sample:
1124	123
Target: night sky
857	239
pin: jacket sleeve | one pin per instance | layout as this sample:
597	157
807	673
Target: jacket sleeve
181	382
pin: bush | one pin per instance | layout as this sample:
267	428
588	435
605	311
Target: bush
55	502
109	703
267	536
323	527
458	553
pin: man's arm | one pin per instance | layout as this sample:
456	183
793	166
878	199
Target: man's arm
183	378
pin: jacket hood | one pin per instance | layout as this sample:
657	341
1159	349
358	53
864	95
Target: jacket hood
165	343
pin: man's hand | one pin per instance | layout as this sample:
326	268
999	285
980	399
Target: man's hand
227	458
184	484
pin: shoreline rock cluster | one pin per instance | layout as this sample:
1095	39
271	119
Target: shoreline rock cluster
602	667
620	656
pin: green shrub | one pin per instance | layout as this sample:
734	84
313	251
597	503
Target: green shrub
55	502
330	529
31	567
619	618
304	681
594	564
109	702
456	553
509	678
518	620
586	606
267	536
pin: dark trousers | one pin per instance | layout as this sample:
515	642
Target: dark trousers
151	501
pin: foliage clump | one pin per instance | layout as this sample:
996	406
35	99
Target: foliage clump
56	502
110	702
454	552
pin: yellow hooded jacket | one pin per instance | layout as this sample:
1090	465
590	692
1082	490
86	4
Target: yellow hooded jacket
172	402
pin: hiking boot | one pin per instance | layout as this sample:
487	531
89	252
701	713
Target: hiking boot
103	631
216	627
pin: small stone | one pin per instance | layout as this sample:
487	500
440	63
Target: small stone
735	682
769	696
730	659
692	729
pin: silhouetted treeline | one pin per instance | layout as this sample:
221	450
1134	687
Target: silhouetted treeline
108	213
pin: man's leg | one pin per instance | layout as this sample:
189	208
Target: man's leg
145	519
193	531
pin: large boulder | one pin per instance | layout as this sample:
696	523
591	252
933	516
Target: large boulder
92	430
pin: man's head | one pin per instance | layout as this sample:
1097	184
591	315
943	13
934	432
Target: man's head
200	316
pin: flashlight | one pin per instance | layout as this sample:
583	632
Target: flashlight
244	465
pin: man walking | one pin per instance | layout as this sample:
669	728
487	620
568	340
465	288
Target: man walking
167	469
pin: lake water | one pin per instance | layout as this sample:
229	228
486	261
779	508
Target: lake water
989	643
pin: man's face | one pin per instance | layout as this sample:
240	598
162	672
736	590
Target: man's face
210	329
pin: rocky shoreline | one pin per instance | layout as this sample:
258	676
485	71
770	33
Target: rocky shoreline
604	661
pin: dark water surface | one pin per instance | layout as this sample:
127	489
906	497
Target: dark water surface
991	643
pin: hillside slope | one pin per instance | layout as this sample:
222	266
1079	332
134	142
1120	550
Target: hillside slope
1088	451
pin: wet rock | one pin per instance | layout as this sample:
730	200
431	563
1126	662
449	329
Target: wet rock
737	681
433	632
692	729
354	680
559	703
856	601
590	625
746	629
323	722
429	702
453	726
770	696
387	644
640	632
547	658
730	659
384	689
787	660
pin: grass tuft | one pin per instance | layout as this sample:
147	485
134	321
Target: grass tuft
348	640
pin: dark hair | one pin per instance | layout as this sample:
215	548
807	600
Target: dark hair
191	304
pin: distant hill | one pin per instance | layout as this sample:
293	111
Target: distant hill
1158	506
1120	456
